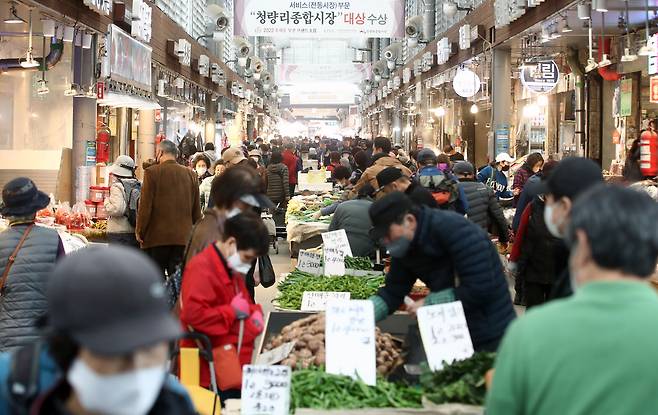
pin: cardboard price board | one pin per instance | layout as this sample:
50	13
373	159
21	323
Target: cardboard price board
445	333
336	247
350	339
265	390
317	300
276	355
310	262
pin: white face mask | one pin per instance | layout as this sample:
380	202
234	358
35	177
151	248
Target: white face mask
236	264
200	171
553	228
233	212
130	393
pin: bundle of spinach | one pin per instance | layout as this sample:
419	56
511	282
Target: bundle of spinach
460	382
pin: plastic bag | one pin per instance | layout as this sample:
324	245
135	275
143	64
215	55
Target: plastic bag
80	217
62	213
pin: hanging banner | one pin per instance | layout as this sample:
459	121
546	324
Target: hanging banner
540	77
295	74
363	18
466	83
128	59
626	98
653	89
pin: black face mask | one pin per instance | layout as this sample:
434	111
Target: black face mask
505	168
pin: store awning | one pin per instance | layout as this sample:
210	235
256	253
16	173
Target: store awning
113	99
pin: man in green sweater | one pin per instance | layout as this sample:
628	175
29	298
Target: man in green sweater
595	352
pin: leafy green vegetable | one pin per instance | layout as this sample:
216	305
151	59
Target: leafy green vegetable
460	382
292	288
314	388
358	263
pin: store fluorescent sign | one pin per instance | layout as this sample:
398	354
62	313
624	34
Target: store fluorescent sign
103	7
362	18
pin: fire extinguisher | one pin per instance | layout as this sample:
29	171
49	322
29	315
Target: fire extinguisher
649	153
103	145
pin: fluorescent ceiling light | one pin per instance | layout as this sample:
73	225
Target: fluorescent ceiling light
13	15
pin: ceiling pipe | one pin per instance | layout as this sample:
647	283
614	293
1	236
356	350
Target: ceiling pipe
53	57
606	72
429	21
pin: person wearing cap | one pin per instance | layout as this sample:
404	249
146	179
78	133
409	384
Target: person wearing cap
124	187
392	180
27	256
494	176
214	297
352	215
593	353
572	177
383	160
168	208
278	185
439	247
483	206
233	156
435	176
107	341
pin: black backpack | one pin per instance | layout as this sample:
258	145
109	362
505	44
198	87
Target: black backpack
132	190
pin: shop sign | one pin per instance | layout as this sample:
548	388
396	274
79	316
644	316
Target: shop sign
626	98
653	89
652	59
128	59
100	90
204	65
90	153
502	139
103	7
141	23
540	77
266	390
396	82
445	334
465	37
443	50
363	18
350	340
466	83
183	49
406	75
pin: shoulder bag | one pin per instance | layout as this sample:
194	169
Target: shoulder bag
12	258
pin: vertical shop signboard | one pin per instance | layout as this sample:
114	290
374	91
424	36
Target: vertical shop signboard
350	340
445	334
653	89
652	59
502	138
265	390
626	99
90	153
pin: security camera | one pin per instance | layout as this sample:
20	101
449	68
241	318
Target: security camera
219	17
393	52
242	47
379	68
449	8
265	77
414	27
256	65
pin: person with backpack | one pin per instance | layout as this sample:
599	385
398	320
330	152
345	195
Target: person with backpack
122	204
393	180
440	182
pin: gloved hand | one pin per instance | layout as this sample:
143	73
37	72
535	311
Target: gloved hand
257	319
240	306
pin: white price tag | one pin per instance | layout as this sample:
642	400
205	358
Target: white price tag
317	300
276	355
310	262
336	247
445	334
265	390
350	339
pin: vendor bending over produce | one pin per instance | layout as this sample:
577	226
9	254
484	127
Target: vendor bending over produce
438	247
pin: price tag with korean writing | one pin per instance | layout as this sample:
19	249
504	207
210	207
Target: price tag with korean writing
445	334
317	300
336	247
276	355
350	339
265	390
310	262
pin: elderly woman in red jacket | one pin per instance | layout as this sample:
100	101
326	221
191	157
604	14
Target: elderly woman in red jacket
214	298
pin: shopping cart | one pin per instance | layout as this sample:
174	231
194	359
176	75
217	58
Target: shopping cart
206	402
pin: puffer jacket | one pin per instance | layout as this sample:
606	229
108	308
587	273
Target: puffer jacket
24	297
370	174
446	248
278	188
115	206
483	207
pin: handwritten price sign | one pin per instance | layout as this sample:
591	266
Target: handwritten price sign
265	390
445	334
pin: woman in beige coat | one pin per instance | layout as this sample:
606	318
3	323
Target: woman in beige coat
124	188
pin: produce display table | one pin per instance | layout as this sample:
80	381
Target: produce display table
300	231
447	409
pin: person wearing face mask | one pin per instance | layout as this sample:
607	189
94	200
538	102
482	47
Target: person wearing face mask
439	247
214	297
107	345
568	181
494	176
168	208
593	353
533	165
201	165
